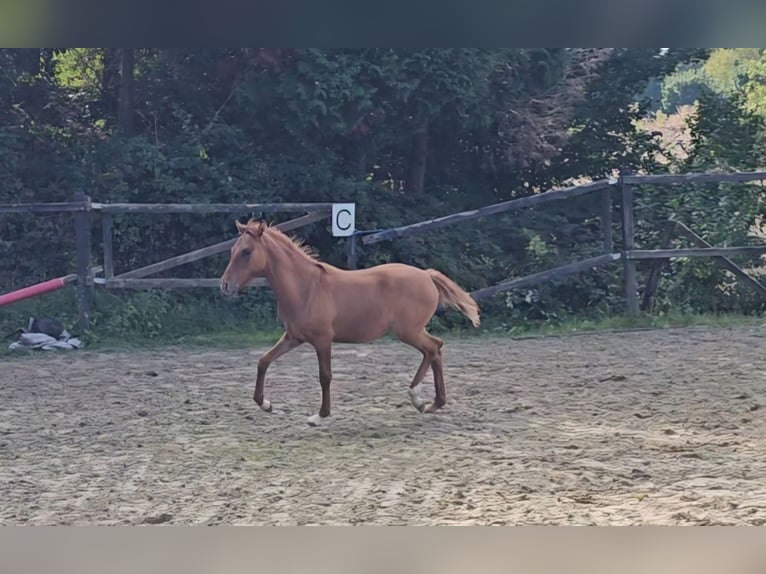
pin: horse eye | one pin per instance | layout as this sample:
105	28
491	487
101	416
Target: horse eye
246	252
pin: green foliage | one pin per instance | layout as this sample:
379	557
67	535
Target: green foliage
726	136
79	69
661	320
170	315
726	68
262	125
724	72
682	88
605	133
145	316
754	86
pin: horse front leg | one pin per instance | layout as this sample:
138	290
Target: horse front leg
283	346
324	357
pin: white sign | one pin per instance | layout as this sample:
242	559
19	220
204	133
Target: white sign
343	219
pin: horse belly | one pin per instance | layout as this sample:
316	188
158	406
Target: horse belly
361	328
383	300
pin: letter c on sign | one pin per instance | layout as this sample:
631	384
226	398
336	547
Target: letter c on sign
343	219
343	215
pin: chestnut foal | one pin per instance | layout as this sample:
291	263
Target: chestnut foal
320	304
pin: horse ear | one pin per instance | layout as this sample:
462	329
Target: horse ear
260	228
241	228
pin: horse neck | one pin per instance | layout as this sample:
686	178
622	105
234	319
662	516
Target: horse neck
291	276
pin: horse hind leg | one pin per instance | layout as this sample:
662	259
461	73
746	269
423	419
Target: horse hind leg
437	367
430	347
417	401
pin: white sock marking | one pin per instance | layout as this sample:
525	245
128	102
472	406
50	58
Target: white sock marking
316	420
417	401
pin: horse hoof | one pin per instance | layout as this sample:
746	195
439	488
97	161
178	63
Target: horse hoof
432	408
266	405
416	400
316	420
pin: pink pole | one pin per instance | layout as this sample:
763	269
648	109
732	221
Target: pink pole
33	290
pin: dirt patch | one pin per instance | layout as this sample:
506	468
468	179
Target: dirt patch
663	427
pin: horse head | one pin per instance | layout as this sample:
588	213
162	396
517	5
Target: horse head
247	259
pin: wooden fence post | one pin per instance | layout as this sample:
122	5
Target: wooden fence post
628	243
606	218
666	236
84	277
351	252
107	222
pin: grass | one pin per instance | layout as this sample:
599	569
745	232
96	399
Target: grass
622	323
228	337
156	320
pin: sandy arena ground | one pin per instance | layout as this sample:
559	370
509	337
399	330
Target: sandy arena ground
661	427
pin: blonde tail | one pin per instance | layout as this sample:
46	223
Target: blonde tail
451	295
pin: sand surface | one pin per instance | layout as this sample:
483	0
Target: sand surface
659	427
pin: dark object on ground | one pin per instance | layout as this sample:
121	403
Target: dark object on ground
44	333
47	325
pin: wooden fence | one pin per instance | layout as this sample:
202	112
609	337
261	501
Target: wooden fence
628	255
631	255
82	207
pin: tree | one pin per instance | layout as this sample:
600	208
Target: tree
125	107
722	71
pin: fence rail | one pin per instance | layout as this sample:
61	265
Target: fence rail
724	262
422	226
169	283
203	208
638	254
178	260
161	208
680	178
548	275
60	207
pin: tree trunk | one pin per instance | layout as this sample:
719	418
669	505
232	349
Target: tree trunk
110	81
125	105
47	66
416	173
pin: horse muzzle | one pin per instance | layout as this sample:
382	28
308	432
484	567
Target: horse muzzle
228	289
